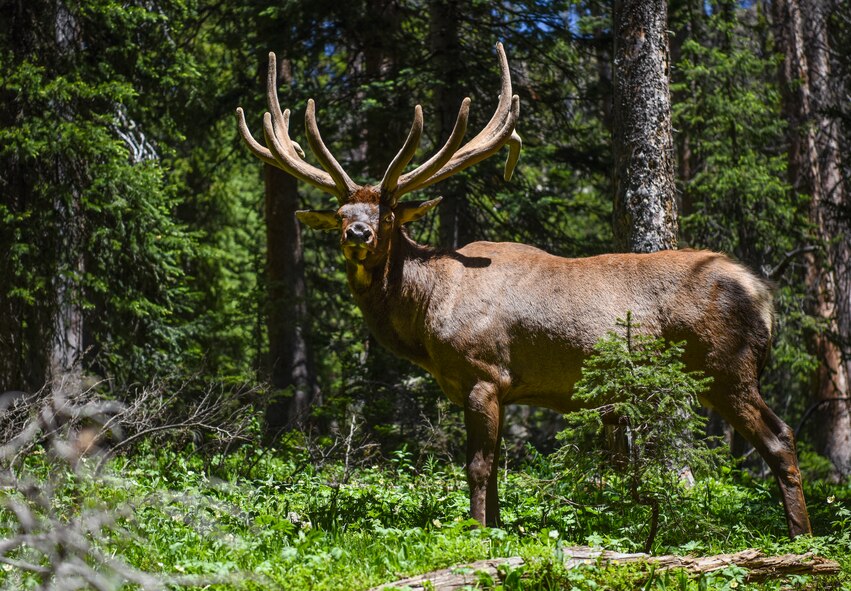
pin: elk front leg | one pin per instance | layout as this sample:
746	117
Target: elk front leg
482	417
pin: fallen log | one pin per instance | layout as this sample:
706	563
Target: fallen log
760	567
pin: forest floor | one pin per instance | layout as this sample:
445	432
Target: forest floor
272	519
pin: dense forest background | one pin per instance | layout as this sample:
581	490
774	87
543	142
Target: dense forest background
142	242
188	394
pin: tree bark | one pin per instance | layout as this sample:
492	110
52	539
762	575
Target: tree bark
290	359
831	215
645	212
289	353
815	169
67	350
445	44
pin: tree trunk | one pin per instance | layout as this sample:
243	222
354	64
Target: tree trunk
645	212
67	350
834	230
290	358
815	169
386	124
445	45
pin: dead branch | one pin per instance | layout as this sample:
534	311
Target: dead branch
456	577
777	272
759	565
814	407
61	545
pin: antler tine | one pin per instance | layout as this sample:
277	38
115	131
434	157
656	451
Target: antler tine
505	96
483	146
281	119
411	181
497	133
330	180
282	152
256	148
515	143
288	161
391	178
323	154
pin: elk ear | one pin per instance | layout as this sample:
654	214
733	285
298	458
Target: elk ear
410	211
319	219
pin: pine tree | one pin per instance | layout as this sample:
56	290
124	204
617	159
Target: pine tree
94	276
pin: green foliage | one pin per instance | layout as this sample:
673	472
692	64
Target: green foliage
641	383
87	216
735	194
117	207
255	518
730	114
272	519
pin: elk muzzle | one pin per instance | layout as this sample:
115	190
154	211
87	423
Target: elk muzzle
358	241
359	233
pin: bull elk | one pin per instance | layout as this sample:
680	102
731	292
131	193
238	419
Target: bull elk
504	323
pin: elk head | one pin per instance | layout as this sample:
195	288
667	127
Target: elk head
368	215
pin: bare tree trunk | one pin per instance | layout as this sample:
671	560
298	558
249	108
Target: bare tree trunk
289	352
445	45
645	211
834	228
67	350
385	128
815	169
290	360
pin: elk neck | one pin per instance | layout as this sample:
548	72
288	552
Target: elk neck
393	296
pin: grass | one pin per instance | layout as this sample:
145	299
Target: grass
266	520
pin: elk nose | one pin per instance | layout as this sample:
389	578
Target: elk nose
358	232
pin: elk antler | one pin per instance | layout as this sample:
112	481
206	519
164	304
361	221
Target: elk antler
449	159
288	155
391	178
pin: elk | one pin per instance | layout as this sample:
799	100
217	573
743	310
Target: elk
505	323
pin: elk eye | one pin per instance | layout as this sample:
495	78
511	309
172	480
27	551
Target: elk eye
388	218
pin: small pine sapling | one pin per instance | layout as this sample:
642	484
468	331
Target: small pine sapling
643	382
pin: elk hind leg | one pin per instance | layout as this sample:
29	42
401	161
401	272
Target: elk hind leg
775	442
492	499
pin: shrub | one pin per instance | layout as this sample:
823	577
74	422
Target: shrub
641	384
